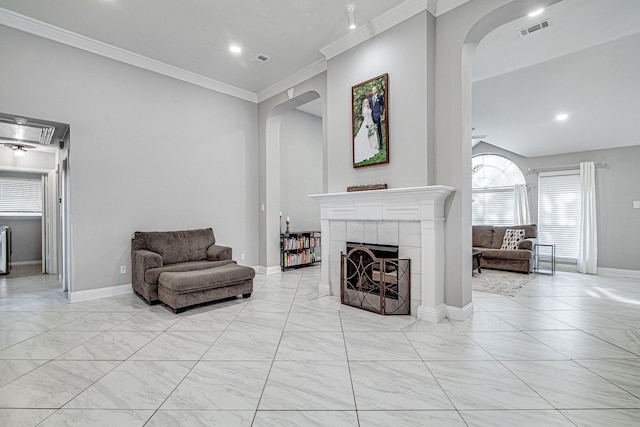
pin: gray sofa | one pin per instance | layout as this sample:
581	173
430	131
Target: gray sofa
488	240
185	268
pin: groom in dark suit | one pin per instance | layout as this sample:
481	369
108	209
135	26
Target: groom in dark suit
377	112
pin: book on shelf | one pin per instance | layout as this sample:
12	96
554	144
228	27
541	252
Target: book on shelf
299	248
299	258
301	242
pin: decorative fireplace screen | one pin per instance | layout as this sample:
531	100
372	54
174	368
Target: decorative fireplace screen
381	285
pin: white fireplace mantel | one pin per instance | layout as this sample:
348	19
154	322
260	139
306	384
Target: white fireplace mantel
422	205
409	204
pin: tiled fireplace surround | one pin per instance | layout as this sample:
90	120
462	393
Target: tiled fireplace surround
411	218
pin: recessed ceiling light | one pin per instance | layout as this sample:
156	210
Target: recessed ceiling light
536	12
561	117
234	48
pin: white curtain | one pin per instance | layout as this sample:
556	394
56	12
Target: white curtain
588	247
522	205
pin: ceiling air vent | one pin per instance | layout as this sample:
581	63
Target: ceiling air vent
26	131
533	28
260	59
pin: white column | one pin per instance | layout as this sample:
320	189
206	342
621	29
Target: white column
432	308
325	266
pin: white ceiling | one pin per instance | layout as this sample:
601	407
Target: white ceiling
313	107
586	64
575	25
195	35
519	83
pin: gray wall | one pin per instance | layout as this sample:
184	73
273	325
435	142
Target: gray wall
431	99
400	52
26	233
147	152
301	163
26	238
618	222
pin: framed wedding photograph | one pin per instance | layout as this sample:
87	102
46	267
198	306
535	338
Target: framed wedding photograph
370	122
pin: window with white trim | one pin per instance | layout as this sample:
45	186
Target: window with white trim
493	179
20	196
559	212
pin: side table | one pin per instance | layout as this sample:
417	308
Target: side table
476	257
545	260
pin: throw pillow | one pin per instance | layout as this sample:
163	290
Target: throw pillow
512	239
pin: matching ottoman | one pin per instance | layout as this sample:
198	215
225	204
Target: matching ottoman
179	290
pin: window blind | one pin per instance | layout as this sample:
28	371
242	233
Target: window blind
559	212
493	207
491	170
493	178
20	196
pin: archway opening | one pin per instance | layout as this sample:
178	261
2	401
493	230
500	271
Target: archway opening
294	169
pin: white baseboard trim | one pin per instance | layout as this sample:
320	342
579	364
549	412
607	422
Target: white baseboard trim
569	268
324	290
457	313
109	291
261	269
618	272
432	314
26	262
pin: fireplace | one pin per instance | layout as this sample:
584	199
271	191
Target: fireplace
412	218
372	280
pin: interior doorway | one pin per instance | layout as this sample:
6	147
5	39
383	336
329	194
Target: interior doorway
33	153
21	221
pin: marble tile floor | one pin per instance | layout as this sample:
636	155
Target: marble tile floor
564	352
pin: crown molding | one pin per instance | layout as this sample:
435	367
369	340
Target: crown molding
444	6
48	31
363	33
294	79
393	17
432	6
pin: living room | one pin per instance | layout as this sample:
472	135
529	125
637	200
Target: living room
585	74
152	147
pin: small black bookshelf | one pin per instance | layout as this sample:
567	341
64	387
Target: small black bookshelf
299	249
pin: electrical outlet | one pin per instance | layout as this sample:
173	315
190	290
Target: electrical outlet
636	204
241	256
123	269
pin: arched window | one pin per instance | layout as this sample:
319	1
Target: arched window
493	182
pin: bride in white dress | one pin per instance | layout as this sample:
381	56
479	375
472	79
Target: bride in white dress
365	144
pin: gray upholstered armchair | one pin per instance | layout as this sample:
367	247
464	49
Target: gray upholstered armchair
155	252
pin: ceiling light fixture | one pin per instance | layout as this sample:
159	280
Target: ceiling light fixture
19	151
234	48
351	16
536	12
562	117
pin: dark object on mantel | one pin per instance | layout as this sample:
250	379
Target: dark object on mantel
366	187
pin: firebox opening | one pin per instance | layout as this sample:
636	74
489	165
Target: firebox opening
380	251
